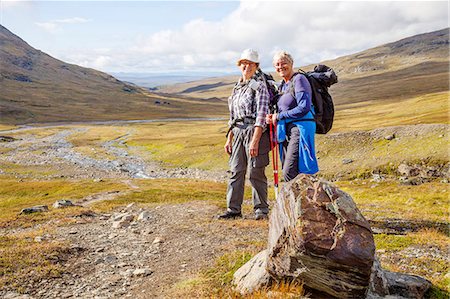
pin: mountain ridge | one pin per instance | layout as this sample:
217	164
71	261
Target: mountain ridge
39	88
403	56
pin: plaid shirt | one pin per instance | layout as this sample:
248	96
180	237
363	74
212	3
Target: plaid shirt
246	101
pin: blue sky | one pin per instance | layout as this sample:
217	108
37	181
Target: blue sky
175	36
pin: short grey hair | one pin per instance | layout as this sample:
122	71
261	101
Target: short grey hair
283	55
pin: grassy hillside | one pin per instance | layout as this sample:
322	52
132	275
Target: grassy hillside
405	69
36	87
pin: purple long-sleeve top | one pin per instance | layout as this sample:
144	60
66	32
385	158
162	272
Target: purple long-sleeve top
290	107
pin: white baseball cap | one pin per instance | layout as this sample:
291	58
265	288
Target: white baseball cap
250	55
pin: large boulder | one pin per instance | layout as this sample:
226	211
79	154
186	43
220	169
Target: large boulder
317	234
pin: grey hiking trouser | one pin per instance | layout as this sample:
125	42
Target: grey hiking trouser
290	153
240	160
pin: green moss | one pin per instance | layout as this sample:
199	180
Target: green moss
392	242
168	191
389	199
436	293
16	195
22	259
225	267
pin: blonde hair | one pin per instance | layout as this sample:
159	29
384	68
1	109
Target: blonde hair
283	55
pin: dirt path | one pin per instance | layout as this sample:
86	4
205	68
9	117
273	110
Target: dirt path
147	258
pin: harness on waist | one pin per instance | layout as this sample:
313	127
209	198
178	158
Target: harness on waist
241	121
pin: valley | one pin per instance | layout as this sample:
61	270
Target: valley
146	173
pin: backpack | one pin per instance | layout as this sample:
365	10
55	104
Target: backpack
320	79
272	88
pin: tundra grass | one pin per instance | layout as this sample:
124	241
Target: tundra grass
31	171
4	127
430	108
184	144
16	195
24	261
167	191
386	200
90	142
216	281
423	253
371	152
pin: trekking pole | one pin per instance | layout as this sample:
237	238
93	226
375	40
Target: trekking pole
274	146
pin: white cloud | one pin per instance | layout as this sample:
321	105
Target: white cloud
6	4
74	20
311	31
55	26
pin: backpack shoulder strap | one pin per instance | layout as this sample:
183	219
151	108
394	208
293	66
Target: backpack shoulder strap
291	85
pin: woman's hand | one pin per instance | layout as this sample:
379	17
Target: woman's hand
254	148
271	118
254	143
229	144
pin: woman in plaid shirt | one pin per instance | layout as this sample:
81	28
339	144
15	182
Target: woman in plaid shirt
248	141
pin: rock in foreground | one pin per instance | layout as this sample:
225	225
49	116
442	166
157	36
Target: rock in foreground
317	234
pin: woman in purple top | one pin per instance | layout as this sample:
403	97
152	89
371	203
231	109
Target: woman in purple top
295	120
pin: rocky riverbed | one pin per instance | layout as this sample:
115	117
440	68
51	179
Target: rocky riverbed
56	150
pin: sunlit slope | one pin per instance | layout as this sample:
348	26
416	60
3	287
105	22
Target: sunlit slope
405	69
36	87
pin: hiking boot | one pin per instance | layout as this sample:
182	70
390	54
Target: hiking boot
229	215
261	216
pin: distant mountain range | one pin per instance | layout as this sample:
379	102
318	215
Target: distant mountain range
154	80
36	87
409	67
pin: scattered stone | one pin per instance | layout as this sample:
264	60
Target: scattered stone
110	259
253	275
378	281
390	137
128	207
63	203
142	272
377	177
7	139
415	181
126	273
117	217
38	239
409	286
144	216
14	295
35	209
408	171
124	221
157	240
347	161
